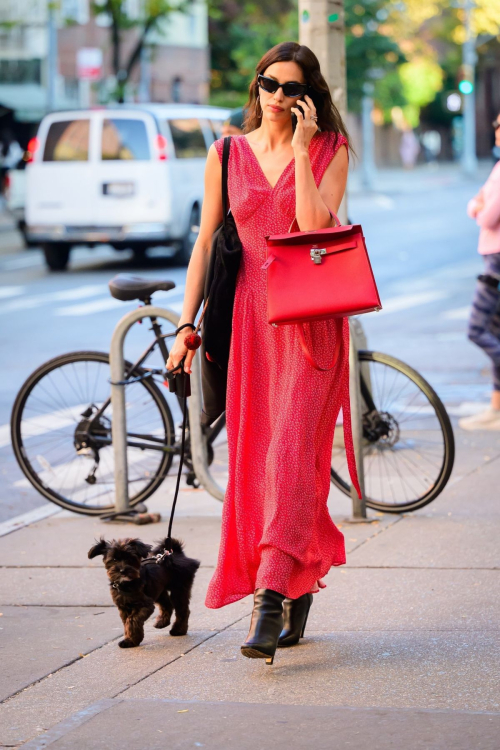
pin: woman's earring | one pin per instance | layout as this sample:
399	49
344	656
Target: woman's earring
259	114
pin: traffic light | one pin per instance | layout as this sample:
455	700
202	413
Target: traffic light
466	87
466	80
452	101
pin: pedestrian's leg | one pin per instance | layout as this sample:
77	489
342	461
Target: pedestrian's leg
484	310
484	330
495	330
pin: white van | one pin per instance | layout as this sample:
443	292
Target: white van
129	175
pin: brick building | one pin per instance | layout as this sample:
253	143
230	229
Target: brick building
174	67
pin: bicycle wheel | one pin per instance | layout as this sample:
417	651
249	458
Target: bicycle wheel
66	452
408	444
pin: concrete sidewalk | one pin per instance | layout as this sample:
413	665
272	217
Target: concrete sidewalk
400	651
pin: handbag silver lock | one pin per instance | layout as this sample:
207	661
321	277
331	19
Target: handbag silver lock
316	254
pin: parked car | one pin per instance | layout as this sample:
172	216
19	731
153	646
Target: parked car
129	175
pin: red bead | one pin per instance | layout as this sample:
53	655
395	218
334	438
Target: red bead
193	341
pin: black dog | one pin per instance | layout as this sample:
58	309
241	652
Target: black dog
140	577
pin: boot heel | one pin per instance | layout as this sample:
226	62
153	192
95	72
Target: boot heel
265	626
304	625
295	613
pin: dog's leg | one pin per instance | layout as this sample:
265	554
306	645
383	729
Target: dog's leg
134	626
180	600
166	608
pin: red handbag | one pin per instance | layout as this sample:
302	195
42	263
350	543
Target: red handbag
319	275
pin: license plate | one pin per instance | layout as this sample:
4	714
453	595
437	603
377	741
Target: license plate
119	189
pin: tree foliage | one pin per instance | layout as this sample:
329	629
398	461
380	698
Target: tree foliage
422	42
372	53
239	34
152	14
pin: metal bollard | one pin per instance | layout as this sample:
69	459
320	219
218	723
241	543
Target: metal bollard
119	424
357	340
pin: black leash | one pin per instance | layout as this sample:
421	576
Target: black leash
179	382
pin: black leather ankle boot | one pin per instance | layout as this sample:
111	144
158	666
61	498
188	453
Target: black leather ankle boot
295	613
266	625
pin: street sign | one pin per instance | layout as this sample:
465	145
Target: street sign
89	63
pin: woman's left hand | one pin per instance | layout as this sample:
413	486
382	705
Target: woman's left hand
306	125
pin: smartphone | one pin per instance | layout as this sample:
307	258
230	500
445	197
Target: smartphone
294	122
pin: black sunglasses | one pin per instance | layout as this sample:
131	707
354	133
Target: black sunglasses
495	124
291	89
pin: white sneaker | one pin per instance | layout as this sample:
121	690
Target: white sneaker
485	420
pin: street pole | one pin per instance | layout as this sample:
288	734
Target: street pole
145	75
469	158
51	56
321	27
368	139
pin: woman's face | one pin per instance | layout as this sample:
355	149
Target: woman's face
497	133
277	107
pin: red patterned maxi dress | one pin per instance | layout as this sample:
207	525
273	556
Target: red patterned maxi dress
276	530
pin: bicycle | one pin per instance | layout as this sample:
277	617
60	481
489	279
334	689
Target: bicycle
62	418
407	439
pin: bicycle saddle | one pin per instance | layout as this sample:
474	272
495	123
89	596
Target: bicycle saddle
125	287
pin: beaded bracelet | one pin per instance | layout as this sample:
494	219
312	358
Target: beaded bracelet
193	340
185	325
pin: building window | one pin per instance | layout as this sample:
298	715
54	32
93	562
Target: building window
20	71
75	10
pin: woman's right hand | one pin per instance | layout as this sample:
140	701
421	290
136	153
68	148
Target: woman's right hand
180	350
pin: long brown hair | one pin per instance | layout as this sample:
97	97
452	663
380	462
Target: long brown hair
329	118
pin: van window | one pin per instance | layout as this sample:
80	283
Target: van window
216	126
67	140
188	139
124	140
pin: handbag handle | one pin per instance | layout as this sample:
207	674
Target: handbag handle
338	223
338	346
225	160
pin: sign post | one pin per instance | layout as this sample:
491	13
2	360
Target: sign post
321	28
89	68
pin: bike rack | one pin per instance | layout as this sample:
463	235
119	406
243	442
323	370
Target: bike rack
357	340
119	423
199	455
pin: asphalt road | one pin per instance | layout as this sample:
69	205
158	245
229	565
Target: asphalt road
423	251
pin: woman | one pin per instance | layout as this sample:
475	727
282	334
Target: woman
277	536
484	323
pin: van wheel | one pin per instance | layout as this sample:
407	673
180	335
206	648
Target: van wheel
140	253
21	228
56	256
184	253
